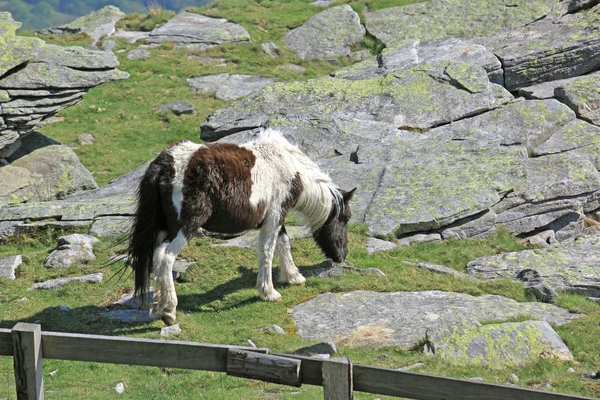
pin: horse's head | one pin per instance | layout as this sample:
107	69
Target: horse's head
332	237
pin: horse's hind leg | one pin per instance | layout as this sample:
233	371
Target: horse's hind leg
266	249
288	272
165	304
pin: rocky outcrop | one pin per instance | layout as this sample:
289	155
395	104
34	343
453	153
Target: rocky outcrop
229	87
97	24
572	266
191	28
328	34
38	79
451	321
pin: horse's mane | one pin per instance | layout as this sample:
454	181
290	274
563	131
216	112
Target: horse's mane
319	193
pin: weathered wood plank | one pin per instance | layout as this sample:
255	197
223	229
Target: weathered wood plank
27	356
6	344
337	379
264	367
427	387
137	351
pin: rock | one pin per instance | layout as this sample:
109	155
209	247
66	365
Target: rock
571	266
548	49
138	54
419	238
77	239
415	366
500	345
329	269
108	45
369	110
170	331
416	52
31	142
382	357
54	284
120	388
439	19
128	300
440	269
191	28
110	226
294	67
270	49
64	308
571	370
179	268
374	245
229	87
512	378
322	3
582	96
328	34
476	379
48	173
328	348
8	266
130	36
273	329
178	107
221	62
68	256
97	24
86	139
249	240
128	316
402	318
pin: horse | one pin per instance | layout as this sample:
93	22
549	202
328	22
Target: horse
230	189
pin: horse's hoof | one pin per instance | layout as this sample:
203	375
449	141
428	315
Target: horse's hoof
273	296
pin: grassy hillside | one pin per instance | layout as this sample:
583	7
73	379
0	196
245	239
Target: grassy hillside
218	302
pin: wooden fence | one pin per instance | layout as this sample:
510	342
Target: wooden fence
28	345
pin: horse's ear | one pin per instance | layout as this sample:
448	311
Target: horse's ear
348	195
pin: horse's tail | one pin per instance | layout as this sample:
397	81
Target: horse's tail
148	221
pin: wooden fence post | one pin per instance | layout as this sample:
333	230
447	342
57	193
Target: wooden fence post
337	379
27	356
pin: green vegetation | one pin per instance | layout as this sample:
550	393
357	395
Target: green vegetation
218	304
39	14
217	299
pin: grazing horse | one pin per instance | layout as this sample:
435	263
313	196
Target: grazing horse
226	188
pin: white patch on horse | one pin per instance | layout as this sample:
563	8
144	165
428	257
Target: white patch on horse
181	154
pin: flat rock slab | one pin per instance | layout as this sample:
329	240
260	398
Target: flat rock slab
178	107
582	96
229	87
111	226
138	54
328	34
8	265
500	345
96	24
441	269
438	19
375	245
573	265
54	284
68	256
129	316
190	28
402	318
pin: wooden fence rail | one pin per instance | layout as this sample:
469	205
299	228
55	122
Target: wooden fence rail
28	345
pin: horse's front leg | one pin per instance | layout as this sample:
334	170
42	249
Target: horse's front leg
165	304
266	249
288	272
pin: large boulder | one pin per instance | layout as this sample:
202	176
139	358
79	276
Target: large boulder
572	266
229	87
38	80
328	34
96	24
192	28
582	96
452	322
47	173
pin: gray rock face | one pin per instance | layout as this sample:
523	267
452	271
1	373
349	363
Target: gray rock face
191	28
110	226
402	318
270	49
329	269
39	79
441	269
327	35
97	24
138	54
54	284
548	49
229	87
75	249
48	173
178	107
582	96
375	245
131	316
8	266
508	344
573	266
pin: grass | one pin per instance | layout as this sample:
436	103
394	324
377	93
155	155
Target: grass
218	304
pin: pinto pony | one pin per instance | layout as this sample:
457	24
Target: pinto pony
226	188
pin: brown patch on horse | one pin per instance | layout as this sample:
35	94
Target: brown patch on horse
217	186
292	198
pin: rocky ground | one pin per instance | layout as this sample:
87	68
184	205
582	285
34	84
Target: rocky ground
450	133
